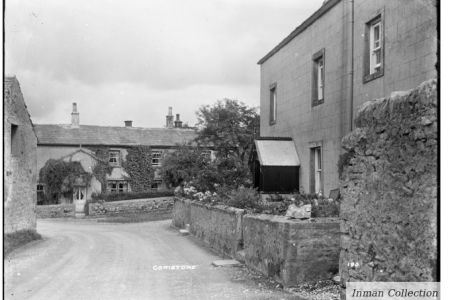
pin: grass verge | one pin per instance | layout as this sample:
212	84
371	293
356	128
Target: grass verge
12	241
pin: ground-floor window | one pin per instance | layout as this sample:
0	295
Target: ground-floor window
117	186
316	181
156	185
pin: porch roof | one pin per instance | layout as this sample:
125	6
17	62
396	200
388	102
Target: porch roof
277	153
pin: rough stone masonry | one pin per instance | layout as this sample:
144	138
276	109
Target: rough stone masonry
389	190
19	173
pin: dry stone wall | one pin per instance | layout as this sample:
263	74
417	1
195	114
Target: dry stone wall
218	226
181	212
139	206
292	251
55	211
389	190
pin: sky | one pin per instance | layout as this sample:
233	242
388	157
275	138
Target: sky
131	60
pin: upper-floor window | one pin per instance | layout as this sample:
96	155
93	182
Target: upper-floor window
273	104
374	49
156	157
114	158
318	79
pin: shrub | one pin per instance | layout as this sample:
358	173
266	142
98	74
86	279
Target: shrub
243	197
109	197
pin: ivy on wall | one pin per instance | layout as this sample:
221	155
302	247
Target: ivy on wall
138	165
102	167
59	177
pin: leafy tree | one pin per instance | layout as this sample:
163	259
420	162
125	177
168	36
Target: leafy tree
229	126
188	164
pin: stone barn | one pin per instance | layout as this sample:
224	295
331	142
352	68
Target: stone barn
19	161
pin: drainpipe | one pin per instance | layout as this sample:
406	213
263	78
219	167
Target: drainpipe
352	62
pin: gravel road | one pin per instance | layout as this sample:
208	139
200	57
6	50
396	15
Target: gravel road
83	259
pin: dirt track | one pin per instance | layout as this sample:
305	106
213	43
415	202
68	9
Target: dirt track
90	260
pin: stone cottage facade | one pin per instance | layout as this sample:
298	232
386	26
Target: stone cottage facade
19	164
346	53
78	143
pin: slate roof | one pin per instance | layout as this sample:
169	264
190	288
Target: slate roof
111	136
326	6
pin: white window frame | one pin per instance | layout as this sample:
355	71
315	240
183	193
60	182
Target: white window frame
156	157
114	160
375	47
318	170
320	81
117	188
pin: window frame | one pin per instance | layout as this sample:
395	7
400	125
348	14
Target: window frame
117	163
117	189
318	57
273	99
158	159
158	183
369	47
313	169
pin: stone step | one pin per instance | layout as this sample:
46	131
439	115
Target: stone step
183	232
226	263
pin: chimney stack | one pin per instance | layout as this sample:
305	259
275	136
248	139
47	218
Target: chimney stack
169	118
178	123
128	123
75	116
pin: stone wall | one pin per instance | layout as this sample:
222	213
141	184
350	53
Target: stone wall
218	226
292	251
115	208
20	143
55	211
181	212
389	190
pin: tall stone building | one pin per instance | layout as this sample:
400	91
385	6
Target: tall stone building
20	144
346	53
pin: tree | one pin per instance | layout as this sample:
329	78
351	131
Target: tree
187	164
230	127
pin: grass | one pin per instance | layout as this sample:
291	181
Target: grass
137	218
12	241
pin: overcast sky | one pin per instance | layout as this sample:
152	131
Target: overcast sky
130	60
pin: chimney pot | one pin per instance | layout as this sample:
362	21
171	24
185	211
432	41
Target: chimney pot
128	123
75	116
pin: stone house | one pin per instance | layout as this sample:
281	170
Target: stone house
346	53
19	161
80	143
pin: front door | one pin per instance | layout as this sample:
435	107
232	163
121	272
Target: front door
79	198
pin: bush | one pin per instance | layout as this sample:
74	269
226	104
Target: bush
110	197
243	197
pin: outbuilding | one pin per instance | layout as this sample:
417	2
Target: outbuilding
275	165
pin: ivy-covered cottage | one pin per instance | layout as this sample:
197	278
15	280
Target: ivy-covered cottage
74	161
